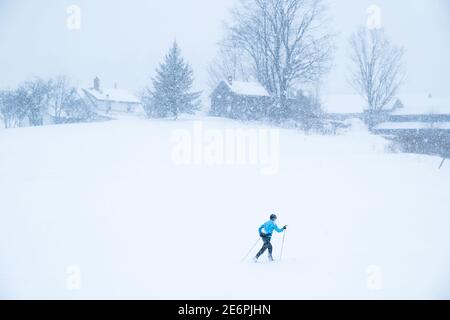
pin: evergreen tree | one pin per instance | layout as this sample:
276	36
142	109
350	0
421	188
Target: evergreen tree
172	88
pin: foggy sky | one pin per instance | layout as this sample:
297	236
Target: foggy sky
123	41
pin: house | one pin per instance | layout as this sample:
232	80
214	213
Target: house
417	112
240	100
420	107
420	123
112	100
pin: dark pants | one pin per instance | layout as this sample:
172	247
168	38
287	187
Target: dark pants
266	246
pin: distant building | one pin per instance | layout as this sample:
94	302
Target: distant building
112	100
348	106
417	112
240	100
420	107
404	108
420	123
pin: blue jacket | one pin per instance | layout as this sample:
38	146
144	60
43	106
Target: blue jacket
268	227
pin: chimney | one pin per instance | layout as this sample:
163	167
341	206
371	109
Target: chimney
115	85
97	84
230	80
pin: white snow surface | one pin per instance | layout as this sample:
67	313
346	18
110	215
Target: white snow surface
106	198
248	88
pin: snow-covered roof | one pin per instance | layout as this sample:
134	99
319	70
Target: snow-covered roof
248	88
412	125
418	104
343	104
109	94
412	104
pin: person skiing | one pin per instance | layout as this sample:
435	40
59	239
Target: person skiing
266	236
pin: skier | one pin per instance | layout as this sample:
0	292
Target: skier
266	236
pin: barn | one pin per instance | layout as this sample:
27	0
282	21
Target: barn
240	100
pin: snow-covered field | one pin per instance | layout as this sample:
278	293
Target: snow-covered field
102	211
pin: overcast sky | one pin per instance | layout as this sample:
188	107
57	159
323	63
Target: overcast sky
123	40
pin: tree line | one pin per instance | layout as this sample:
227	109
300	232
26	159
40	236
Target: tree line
35	99
285	45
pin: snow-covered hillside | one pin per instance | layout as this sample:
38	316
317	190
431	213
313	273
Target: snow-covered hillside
102	211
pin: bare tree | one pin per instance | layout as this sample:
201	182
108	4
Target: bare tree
78	111
6	109
62	97
33	99
10	111
377	67
32	96
287	42
230	62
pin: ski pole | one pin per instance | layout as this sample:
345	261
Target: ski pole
282	245
442	163
251	249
